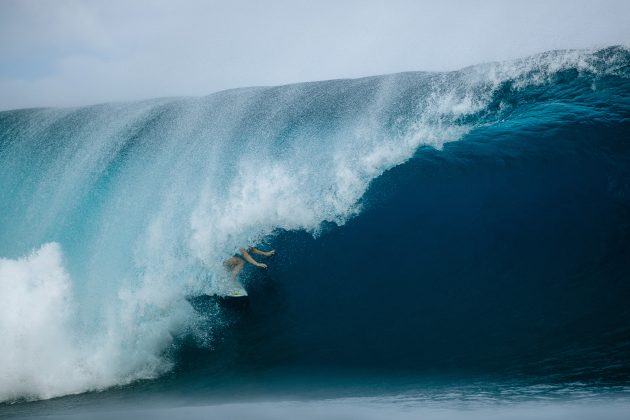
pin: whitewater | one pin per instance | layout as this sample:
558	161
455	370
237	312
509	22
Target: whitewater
112	216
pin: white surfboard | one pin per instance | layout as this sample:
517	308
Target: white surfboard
237	292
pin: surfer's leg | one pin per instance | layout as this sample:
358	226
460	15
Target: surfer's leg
235	264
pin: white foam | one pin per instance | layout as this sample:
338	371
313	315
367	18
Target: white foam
45	353
38	355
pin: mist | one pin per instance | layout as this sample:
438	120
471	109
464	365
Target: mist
70	53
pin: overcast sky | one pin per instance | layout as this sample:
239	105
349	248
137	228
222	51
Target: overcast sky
72	52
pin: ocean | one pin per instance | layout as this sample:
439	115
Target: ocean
448	245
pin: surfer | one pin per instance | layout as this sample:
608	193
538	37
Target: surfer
235	264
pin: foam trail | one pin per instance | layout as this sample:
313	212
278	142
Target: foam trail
111	215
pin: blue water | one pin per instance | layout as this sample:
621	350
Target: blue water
445	241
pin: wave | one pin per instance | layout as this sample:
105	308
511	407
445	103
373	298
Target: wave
112	216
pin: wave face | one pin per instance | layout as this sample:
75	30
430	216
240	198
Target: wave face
507	224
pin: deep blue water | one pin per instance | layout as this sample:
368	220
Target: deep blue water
463	234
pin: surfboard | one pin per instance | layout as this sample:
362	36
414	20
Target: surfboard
237	292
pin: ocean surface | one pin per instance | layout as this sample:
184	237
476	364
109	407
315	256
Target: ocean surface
448	245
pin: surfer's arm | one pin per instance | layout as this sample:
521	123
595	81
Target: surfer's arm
250	260
259	252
